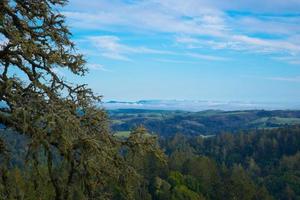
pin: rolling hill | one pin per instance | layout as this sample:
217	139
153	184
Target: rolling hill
210	122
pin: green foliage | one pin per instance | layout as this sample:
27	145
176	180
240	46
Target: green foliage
69	150
255	165
181	192
241	186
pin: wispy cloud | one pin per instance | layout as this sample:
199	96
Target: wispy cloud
294	60
200	24
294	79
207	57
111	47
288	79
267	44
241	42
193	7
175	61
258	6
190	17
98	67
275	25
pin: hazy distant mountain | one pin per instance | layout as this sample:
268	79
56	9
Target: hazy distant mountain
198	105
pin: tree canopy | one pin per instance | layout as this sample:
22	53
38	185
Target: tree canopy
70	151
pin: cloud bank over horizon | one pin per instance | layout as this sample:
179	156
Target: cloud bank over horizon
199	105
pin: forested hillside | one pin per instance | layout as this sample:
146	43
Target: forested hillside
211	122
250	165
252	161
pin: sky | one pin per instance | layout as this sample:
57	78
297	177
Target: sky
229	50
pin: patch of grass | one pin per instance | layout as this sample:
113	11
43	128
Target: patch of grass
265	122
126	134
122	134
289	121
116	121
235	113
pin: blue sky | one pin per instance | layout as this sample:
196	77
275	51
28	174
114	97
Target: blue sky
225	50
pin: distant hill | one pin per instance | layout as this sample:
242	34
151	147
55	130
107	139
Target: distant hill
209	122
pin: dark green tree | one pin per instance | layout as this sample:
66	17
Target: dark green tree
70	151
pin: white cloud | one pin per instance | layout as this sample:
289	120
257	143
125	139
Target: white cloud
274	25
288	79
95	66
294	60
200	24
190	42
267	44
192	7
190	17
111	47
175	61
242	43
207	57
258	6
